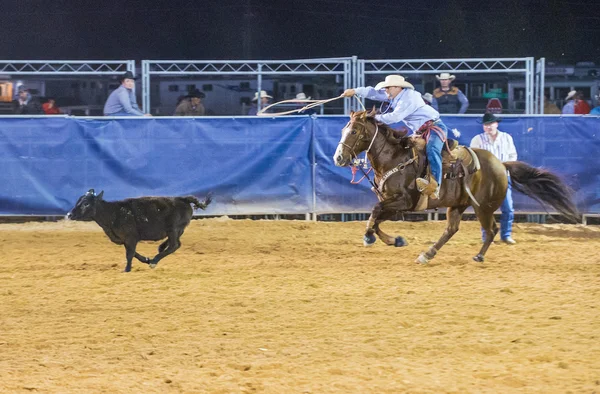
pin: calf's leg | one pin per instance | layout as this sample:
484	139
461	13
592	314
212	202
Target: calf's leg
173	244
129	253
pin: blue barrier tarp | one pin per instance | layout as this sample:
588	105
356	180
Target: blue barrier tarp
252	165
568	146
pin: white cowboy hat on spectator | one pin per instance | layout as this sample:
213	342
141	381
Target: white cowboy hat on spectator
445	76
302	96
263	94
571	94
394	80
427	97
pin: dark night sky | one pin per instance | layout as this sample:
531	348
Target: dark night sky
561	31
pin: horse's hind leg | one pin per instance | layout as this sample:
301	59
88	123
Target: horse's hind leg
454	215
490	228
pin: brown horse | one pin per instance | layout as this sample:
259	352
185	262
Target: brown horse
398	160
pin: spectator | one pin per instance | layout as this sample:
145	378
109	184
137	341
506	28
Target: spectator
428	98
569	107
550	107
122	101
264	101
596	110
448	99
50	107
302	103
502	146
26	104
581	105
191	105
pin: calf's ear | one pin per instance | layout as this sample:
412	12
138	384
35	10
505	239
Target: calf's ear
99	196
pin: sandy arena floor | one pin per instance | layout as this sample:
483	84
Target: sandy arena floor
299	307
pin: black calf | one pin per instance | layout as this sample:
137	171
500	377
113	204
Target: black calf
132	220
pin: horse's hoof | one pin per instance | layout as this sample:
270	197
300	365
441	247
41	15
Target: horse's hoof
400	242
369	240
479	258
152	265
422	259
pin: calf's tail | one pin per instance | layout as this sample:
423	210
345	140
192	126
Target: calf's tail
197	203
543	186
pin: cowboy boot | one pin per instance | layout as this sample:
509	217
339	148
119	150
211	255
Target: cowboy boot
429	187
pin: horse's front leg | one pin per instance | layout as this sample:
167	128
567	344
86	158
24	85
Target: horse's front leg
382	212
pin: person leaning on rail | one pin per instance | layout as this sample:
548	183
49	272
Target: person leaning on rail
122	101
406	105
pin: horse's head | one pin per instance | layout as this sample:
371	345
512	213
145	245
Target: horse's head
356	137
85	208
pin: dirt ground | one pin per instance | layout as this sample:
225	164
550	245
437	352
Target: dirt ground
299	307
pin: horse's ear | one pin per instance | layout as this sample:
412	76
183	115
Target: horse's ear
99	196
372	113
91	191
352	113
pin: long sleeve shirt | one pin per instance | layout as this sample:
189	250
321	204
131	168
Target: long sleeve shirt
122	100
408	107
569	108
503	147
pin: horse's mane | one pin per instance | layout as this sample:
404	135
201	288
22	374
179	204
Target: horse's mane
394	137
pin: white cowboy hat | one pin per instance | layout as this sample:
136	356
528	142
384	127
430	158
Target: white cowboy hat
427	97
393	80
445	76
263	94
571	94
302	96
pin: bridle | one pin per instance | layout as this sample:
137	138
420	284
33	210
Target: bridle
356	161
363	165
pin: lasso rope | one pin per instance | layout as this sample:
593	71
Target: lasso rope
311	104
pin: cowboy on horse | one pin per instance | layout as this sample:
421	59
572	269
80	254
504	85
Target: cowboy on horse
407	105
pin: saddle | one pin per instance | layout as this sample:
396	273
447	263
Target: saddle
457	160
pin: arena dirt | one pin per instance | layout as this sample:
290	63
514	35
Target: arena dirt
299	307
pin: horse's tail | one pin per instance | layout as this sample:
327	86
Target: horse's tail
543	186
197	203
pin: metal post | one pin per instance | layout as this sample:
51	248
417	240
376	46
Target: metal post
347	73
259	87
542	83
145	86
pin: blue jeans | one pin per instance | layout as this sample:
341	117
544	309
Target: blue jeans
434	152
508	215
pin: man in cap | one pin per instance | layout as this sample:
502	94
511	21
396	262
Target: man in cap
191	105
502	146
26	104
122	101
569	107
407	105
264	101
448	99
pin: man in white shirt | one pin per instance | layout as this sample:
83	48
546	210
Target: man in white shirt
502	146
406	105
